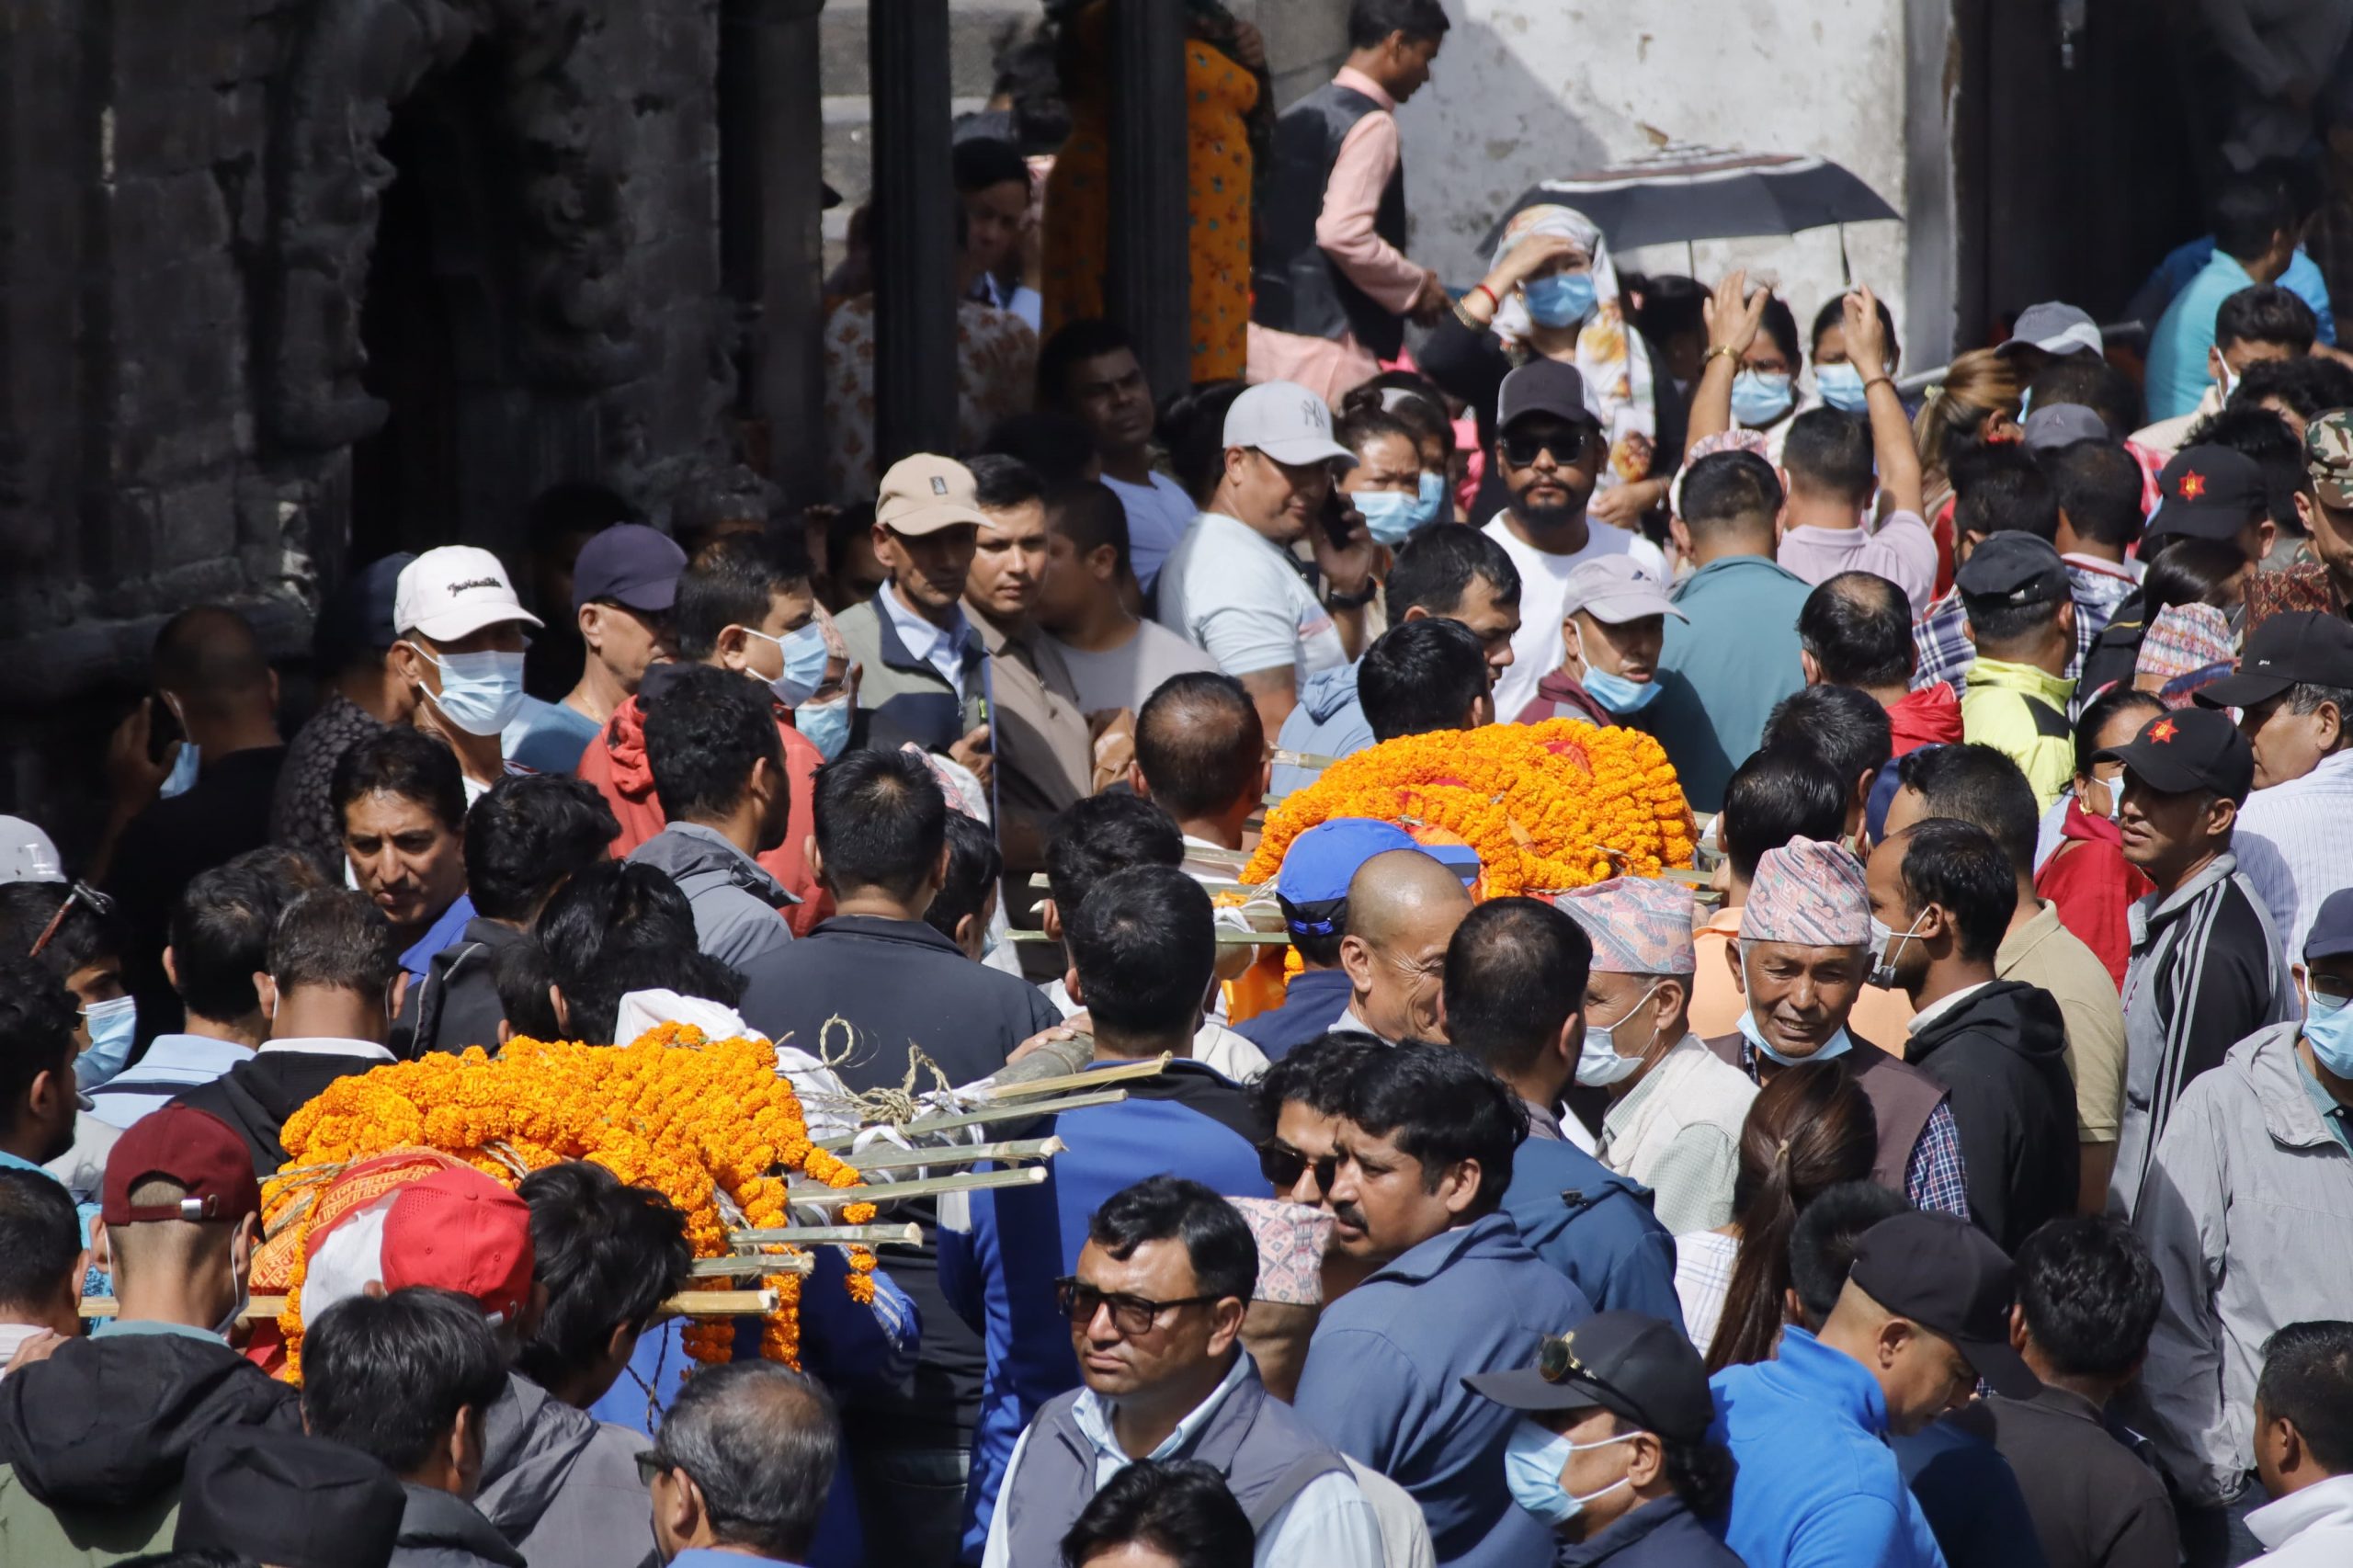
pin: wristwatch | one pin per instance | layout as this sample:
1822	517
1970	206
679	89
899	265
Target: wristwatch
1334	599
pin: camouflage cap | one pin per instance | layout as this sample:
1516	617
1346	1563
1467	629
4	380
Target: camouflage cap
2328	456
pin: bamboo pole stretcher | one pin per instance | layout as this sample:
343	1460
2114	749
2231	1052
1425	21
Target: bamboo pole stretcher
686	1303
1019	1110
891	1156
1037	1088
908	1234
816	1197
1226	937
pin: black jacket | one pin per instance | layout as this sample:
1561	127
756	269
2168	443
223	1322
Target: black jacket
100	1432
456	1005
2001	1052
256	1097
441	1530
1661	1534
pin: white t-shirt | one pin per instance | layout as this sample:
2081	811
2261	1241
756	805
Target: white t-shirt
1543	587
1231	590
1158	515
1123	676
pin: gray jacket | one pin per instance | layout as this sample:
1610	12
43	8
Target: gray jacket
736	901
2249	1210
441	1530
562	1485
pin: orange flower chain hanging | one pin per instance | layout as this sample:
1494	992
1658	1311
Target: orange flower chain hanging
708	1123
1548	807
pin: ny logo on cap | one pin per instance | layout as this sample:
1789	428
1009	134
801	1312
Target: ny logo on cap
938	485
1308	411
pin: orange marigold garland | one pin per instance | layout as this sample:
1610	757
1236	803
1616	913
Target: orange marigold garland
1548	807
704	1122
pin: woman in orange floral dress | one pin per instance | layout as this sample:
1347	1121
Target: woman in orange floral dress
1224	89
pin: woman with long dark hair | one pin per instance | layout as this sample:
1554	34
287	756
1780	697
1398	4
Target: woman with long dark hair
1809	1129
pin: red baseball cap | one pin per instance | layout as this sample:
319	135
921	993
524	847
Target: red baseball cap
458	1230
191	1147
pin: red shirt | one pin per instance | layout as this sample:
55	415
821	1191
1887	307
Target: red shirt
2093	885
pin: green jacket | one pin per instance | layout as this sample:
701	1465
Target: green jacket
69	1537
2021	711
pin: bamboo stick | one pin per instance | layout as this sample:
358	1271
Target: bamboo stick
686	1303
891	1156
908	1234
746	1265
1226	936
1017	1112
816	1197
1094	1078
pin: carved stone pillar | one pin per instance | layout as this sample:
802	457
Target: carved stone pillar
1149	284
772	249
914	228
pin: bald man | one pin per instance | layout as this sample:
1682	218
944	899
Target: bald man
183	808
1403	908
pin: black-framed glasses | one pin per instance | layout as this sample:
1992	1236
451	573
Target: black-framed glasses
1282	1166
650	1463
1132	1316
1567	444
100	906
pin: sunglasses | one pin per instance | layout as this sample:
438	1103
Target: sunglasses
1282	1166
1132	1316
1556	1362
1566	446
100	906
650	1463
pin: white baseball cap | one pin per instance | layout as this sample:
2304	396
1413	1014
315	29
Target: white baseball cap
1287	423
26	854
454	591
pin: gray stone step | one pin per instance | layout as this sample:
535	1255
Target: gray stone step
976	30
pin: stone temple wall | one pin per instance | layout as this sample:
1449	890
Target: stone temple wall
190	196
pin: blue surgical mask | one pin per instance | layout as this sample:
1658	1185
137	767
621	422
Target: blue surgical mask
1759	399
113	1026
1534	1457
2329	1026
1563	300
1434	493
1615	692
1393	517
1598	1063
805	656
1838	1045
182	778
825	725
1841	387
481	693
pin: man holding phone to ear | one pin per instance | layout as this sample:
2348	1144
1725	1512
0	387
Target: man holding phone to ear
1235	585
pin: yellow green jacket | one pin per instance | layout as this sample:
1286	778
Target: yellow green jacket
2021	711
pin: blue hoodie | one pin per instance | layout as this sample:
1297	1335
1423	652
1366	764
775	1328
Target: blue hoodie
1594	1226
1328	721
1818	1487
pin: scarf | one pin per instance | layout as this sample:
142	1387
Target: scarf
1617	373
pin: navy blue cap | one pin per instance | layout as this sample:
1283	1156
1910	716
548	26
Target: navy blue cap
631	564
2015	568
357	613
2332	933
1321	862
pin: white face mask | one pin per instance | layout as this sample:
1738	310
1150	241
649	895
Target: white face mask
1599	1064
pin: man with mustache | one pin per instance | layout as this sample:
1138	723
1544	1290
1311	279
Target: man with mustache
1421	1160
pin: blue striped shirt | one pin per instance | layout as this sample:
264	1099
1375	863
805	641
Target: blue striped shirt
2294	841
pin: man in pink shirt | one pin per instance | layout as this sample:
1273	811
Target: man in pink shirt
1333	285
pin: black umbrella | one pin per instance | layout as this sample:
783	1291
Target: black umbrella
1682	193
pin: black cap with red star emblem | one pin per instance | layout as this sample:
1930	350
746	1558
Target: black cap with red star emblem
2209	493
2191	748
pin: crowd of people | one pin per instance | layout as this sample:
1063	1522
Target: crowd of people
1960	1173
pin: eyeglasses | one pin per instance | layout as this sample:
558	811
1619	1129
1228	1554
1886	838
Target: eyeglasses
100	906
1282	1166
650	1463
2336	993
1132	1316
1565	445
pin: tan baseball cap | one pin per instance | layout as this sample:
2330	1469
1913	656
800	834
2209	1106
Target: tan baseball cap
925	494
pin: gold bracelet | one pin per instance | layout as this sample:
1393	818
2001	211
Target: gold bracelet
1724	348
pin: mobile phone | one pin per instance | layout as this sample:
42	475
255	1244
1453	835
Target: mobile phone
163	727
1337	528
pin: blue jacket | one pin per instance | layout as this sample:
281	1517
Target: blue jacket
1000	1273
1721	672
1328	721
1594	1226
1311	1005
1661	1534
1818	1487
1383	1382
